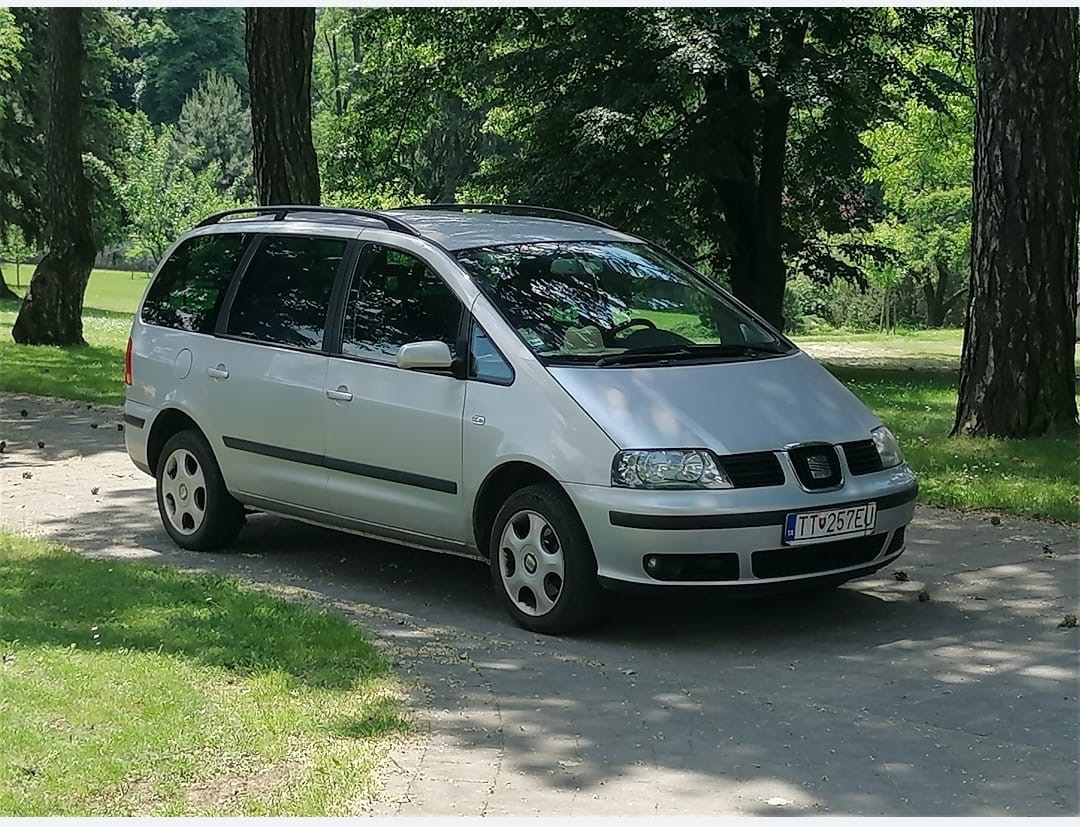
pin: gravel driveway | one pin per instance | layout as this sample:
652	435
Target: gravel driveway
864	700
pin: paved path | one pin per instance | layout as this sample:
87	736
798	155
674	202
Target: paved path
859	701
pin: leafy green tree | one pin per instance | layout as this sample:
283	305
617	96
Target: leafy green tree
161	198
733	135
400	113
178	46
10	45
215	128
22	158
15	248
922	158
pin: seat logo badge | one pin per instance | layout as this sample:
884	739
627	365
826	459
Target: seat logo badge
819	467
479	420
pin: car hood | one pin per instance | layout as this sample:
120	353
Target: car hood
729	407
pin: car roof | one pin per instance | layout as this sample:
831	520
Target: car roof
453	229
466	230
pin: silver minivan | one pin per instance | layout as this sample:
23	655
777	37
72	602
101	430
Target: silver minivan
527	386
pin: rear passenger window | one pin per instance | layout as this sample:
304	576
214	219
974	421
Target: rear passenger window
189	287
284	295
398	299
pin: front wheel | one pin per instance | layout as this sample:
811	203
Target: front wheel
542	564
196	509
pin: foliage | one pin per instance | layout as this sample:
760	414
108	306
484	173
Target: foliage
22	160
732	135
162	199
15	248
215	128
394	121
130	688
923	160
11	44
175	49
22	118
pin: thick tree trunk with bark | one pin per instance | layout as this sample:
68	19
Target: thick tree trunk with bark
51	314
6	292
279	44
1017	374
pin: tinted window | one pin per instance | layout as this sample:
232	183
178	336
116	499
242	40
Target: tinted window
397	300
485	361
188	290
285	291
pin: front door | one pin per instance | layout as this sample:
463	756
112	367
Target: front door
267	370
393	436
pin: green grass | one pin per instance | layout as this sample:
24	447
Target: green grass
93	373
907	377
128	688
1037	477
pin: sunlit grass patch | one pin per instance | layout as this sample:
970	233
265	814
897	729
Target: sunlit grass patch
134	689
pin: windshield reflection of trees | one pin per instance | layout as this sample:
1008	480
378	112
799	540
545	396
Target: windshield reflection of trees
546	289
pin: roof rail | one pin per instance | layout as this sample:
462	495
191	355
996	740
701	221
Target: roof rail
513	209
280	211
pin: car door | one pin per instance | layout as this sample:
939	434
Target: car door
267	373
393	436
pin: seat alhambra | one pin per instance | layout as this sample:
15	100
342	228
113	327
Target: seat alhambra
567	402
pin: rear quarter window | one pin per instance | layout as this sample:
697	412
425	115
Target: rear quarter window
190	286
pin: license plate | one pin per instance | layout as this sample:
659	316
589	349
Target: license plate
835	522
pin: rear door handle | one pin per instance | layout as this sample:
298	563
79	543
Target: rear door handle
340	395
217	373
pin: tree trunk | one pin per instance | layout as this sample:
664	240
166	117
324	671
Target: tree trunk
279	44
1017	373
753	202
771	271
51	314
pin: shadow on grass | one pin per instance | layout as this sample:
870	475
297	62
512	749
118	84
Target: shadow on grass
50	597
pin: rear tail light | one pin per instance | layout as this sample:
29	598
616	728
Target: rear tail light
127	364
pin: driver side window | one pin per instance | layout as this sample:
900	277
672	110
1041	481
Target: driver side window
395	300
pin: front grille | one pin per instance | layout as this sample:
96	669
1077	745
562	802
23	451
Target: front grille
812	559
817	466
687	567
862	457
753	470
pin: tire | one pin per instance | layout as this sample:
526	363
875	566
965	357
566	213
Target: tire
542	563
196	509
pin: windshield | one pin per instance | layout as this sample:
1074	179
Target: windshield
609	303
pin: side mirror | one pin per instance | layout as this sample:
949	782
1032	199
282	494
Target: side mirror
424	356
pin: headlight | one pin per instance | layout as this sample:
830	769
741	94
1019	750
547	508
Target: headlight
887	447
678	468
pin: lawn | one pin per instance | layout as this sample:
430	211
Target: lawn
1032	477
127	688
93	373
907	378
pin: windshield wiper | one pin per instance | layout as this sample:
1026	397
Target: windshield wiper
683	352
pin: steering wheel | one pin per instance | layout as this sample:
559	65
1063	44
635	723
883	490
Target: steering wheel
619	328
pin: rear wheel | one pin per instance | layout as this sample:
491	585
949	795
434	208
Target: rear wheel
542	564
196	509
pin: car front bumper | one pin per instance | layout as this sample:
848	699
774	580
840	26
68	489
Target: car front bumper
735	538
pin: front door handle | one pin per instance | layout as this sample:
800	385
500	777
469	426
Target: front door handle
217	373
340	395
